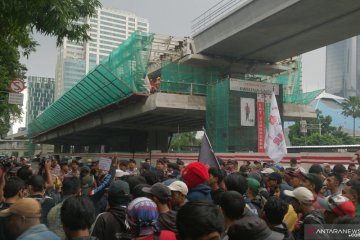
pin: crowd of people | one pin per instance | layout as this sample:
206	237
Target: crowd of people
167	200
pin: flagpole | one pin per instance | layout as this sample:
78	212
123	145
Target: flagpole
211	148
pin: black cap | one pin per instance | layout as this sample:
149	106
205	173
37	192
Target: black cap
315	179
158	190
119	187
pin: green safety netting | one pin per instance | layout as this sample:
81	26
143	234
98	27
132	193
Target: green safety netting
119	76
186	78
291	82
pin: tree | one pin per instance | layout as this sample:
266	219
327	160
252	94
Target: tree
185	139
19	19
330	135
351	107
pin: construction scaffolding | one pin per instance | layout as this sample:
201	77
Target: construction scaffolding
119	76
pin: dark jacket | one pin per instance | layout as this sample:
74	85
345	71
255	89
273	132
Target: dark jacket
200	192
283	230
314	217
167	221
284	186
111	225
216	195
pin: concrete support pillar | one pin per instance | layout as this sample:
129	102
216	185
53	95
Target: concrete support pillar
158	140
94	148
65	148
79	149
57	148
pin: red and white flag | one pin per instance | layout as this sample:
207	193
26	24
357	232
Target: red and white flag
276	146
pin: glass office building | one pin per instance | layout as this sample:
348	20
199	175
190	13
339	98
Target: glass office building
343	68
108	29
40	95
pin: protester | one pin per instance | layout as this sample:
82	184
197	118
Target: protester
302	203
14	190
352	192
24	221
357	157
77	214
87	181
195	176
37	191
327	169
275	182
112	223
215	181
312	182
74	169
199	220
231	166
161	195
252	195
295	178
232	206
356	175
142	215
70	187
341	170
336	206
132	170
333	182
179	190
274	212
318	170
254	228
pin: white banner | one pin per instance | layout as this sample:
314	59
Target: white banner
276	146
253	86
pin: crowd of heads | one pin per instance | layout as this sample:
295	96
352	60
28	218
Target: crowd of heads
171	199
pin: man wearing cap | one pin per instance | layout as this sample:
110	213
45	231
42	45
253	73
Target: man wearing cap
24	221
295	178
302	202
265	174
179	190
312	182
336	206
112	223
161	195
195	176
253	200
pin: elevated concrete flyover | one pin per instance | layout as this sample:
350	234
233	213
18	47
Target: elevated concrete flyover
143	123
275	30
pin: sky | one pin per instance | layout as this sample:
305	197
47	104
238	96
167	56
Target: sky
167	17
